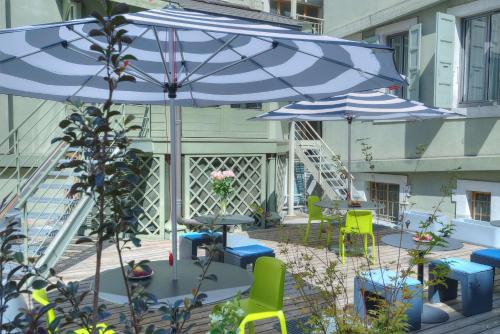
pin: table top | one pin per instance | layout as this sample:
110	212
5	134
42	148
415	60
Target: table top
406	241
230	280
344	205
495	223
225	220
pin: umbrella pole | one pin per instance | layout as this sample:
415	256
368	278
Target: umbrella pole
349	180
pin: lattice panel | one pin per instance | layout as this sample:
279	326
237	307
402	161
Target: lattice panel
281	170
146	195
249	184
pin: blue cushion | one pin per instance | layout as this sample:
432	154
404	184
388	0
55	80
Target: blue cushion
491	253
463	266
250	250
199	236
388	278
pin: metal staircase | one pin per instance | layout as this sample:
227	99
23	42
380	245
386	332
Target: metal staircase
320	161
37	191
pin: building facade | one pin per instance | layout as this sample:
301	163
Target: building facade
450	52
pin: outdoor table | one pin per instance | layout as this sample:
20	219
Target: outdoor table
495	223
225	221
344	205
430	315
230	281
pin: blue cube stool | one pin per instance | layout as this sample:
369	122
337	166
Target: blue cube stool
189	243
244	255
383	284
489	257
476	282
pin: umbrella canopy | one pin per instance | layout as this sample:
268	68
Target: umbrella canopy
364	106
217	60
191	59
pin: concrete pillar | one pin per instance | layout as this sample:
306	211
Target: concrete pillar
293	9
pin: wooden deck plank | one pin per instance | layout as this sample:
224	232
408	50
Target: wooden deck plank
79	263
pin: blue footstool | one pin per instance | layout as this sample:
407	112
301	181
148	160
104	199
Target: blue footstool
489	257
244	255
189	243
476	282
383	284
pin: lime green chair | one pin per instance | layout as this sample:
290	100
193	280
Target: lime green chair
40	296
266	295
316	214
357	222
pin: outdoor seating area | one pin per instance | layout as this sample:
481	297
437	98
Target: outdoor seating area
293	305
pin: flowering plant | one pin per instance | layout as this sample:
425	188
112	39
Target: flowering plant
222	186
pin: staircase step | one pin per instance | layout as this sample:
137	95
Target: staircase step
52	200
64	173
61	186
54	216
44	231
33	250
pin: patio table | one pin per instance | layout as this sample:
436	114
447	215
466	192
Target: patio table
430	315
230	281
344	205
225	221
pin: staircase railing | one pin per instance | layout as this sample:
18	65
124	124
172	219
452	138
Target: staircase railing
26	148
325	166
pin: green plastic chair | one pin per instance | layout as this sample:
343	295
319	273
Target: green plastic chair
357	222
40	296
266	295
316	214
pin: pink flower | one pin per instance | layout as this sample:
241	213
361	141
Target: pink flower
217	175
228	173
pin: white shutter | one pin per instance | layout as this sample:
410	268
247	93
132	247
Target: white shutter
443	70
414	42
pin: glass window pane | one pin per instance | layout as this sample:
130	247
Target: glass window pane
475	53
494	68
400	45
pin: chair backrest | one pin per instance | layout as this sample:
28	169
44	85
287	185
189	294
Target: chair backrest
269	282
313	210
40	296
359	221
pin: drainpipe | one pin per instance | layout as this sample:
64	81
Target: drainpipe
291	168
10	98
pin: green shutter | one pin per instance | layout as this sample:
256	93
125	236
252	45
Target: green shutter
443	76
414	38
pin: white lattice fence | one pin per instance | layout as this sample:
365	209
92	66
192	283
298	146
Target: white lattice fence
281	170
249	184
147	196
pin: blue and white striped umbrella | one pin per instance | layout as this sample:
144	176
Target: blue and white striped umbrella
363	106
218	60
190	59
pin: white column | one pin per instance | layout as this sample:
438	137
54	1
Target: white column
293	9
291	168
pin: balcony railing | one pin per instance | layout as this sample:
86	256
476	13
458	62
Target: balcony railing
315	23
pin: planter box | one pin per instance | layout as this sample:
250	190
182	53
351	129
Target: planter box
476	232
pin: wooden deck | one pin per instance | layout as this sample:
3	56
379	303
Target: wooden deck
79	262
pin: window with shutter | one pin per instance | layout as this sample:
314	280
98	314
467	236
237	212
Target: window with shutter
414	41
443	68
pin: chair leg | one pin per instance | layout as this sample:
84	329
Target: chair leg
251	328
281	317
308	227
365	245
328	234
374	248
320	231
341	248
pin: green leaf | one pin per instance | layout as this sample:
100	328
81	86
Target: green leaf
83	240
39	284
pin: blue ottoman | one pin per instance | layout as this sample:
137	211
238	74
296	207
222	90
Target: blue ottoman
476	282
383	283
244	255
189	243
489	257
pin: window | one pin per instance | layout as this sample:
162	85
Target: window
480	206
247	106
481	77
399	43
387	195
